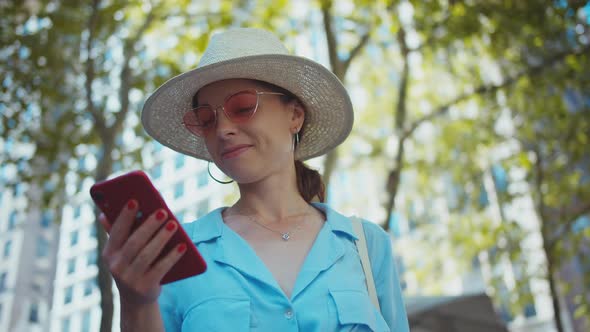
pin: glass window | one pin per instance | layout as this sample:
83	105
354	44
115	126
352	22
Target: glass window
2	282
530	311
71	265
12	220
179	189
89	286
179	216
157	171
34	313
86	321
65	325
157	147
73	238
92	230
46	219
7	248
69	293
202	179
117	166
77	212
203	207
179	161
91	258
19	189
42	246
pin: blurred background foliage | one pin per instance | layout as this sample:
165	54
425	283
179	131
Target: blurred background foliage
480	103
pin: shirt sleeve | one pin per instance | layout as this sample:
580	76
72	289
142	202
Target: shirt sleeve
386	277
170	317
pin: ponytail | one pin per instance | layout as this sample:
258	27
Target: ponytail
309	182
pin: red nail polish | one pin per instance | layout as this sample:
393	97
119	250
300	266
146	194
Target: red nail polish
131	205
181	248
160	215
170	226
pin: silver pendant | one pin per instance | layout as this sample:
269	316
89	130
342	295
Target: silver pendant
286	236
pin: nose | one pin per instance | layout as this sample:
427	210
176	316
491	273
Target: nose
224	126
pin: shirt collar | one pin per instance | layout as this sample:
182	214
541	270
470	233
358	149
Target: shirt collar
210	226
337	222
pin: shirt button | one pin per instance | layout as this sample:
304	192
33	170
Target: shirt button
288	313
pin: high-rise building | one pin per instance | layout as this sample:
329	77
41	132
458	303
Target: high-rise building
28	247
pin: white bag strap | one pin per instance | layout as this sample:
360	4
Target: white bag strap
361	245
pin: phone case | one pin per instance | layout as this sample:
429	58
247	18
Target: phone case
112	195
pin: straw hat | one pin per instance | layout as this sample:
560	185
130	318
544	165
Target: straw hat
259	55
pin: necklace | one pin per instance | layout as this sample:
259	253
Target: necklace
284	235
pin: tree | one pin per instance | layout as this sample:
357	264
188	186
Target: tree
75	75
528	43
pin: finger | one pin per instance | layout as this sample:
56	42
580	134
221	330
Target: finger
154	247
104	222
141	236
164	265
122	226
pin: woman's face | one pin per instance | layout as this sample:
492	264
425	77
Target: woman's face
259	147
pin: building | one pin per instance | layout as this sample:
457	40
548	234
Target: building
28	244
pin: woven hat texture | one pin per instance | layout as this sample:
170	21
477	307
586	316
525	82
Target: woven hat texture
247	53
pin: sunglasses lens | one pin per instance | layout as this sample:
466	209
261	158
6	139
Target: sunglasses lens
241	106
199	119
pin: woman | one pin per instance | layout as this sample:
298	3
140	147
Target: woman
276	260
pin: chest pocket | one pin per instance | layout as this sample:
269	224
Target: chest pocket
355	312
231	314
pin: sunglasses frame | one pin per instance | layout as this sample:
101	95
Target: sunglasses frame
222	106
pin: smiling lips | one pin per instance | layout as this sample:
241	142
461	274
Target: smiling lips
234	151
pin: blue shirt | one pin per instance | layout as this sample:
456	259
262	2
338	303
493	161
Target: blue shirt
239	293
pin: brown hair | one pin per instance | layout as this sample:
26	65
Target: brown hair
309	181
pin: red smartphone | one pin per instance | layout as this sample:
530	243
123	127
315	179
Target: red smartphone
112	195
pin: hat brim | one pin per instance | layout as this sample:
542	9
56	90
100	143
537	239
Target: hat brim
329	114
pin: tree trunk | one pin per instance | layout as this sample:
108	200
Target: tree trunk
339	67
554	292
105	281
329	165
538	179
393	179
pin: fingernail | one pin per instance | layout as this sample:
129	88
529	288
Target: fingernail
160	215
181	248
131	204
170	226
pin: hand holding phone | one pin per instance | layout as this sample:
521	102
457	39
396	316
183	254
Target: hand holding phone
146	241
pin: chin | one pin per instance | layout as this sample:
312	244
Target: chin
244	177
241	174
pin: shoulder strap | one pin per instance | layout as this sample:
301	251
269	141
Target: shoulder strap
361	245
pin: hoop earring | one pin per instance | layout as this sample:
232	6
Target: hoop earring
295	141
211	175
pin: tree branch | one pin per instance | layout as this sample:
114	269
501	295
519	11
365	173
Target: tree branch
579	210
356	50
126	75
483	89
97	116
431	37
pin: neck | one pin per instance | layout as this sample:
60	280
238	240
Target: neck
274	198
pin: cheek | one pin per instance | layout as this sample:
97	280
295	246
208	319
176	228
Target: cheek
277	139
211	146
